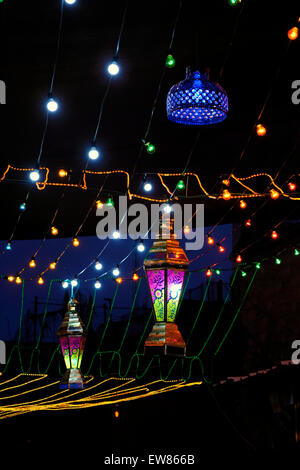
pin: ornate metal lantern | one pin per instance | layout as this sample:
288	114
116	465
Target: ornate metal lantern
72	335
197	100
165	267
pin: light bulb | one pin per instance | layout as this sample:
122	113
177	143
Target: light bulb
74	283
278	261
258	265
54	230
93	153
40	280
8	246
170	61
292	186
70	2
148	187
116	271
226	195
23	207
52	105
62	173
274	194
261	130
11	278
32	263
75	242
243	204
210	241
180	185
167	209
150	148
117	414
248	223
116	235
98	265
296	252
140	246
218	272
186	229
208	272
135	277
99	204
52	265
18	280
97	284
119	280
293	33
274	234
221	249
238	259
110	202
243	273
113	68
34	175
65	284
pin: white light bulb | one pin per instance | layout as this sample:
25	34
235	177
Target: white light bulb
167	209
147	187
93	153
113	68
65	284
141	247
97	284
116	272
116	234
70	2
98	265
52	105
34	175
74	283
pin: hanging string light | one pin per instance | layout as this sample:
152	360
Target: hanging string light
274	194
221	248
113	68
238	259
40	280
278	261
116	271
116	235
226	195
75	242
8	246
62	173
243	204
292	186
140	246
97	284
150	148
98	265
248	223
119	280
147	186
18	280
65	284
54	230
274	235
93	153
52	105
34	175
261	130
208	272
135	277
180	185
52	265
110	202
210	241
293	33
170	61
22	207
32	263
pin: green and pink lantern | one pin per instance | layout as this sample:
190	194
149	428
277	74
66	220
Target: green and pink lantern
72	336
165	266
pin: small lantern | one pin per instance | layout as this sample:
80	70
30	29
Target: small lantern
72	335
165	267
197	100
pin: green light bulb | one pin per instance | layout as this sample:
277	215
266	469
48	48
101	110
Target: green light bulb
218	272
277	260
170	61
296	252
243	273
232	2
257	266
180	184
150	148
110	202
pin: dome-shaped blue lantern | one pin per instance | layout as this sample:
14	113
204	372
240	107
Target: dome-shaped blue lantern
197	101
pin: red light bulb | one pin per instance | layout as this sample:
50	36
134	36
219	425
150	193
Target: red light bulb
274	234
238	259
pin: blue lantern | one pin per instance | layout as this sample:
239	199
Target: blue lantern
197	101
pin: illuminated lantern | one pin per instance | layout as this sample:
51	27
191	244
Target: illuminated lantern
197	100
165	267
72	335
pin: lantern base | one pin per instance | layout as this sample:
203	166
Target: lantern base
165	339
72	378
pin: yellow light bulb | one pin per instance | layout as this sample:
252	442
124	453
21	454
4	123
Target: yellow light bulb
119	280
11	278
226	195
32	263
18	280
52	265
54	230
75	242
40	280
293	33
99	204
62	173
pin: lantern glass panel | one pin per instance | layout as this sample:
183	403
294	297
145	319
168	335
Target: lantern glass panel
65	350
175	282
156	280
